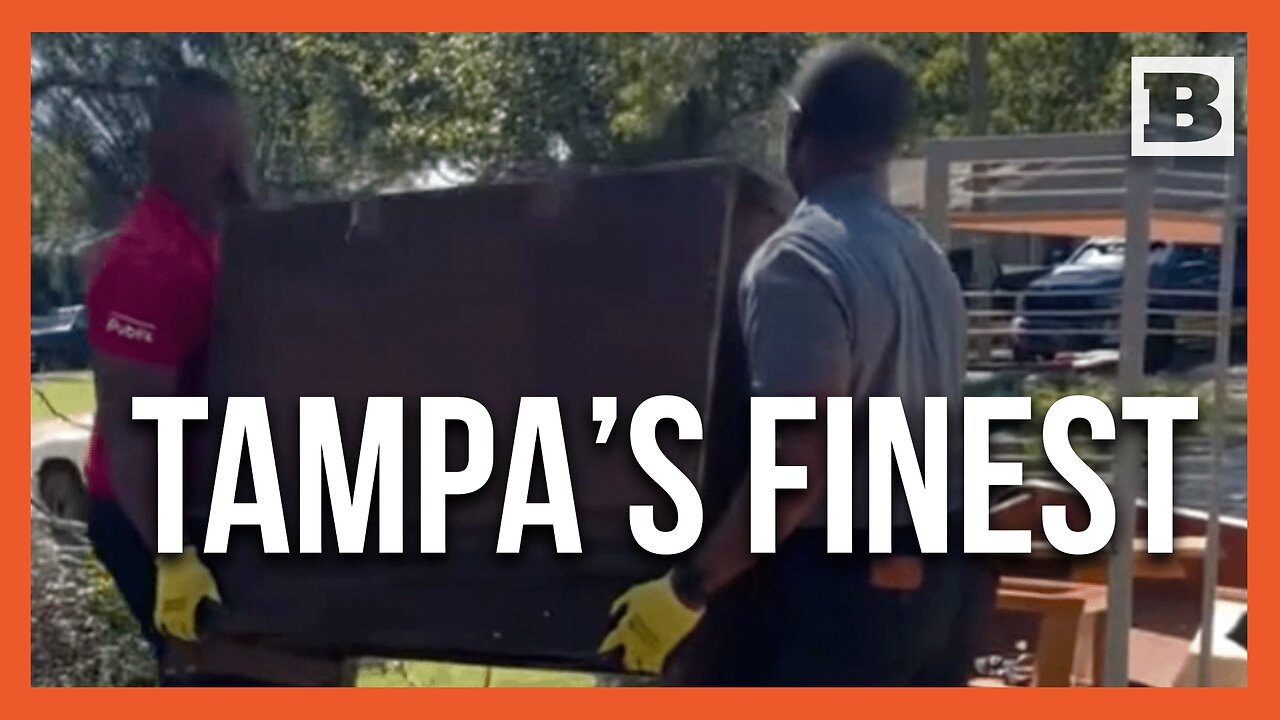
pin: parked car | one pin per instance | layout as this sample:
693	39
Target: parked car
60	340
1086	290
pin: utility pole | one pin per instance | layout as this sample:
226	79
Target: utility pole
976	53
981	252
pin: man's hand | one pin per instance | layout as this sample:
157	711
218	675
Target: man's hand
182	581
654	621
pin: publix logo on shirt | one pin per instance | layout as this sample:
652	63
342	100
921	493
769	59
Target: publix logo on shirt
130	328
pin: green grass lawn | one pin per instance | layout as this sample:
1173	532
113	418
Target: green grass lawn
70	393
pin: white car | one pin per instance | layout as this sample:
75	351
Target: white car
57	472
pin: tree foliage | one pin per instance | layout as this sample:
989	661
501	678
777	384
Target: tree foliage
339	113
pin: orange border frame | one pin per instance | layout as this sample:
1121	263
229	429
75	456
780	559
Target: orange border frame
923	15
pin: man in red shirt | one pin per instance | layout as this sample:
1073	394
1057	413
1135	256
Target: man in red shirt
150	303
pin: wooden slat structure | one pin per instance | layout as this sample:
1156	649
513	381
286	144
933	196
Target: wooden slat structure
1089	185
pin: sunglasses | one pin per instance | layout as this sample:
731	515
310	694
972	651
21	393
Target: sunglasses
793	116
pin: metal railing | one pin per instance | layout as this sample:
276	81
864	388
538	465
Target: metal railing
1072	176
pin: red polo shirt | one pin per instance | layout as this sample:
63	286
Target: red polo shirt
151	302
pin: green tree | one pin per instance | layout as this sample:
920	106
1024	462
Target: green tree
57	192
88	98
90	93
339	113
496	103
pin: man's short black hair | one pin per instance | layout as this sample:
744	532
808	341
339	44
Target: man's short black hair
180	90
853	98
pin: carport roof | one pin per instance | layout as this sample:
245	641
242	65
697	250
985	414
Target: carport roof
1075	196
1168	225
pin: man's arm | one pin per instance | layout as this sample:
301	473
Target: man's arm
146	317
726	554
799	342
131	444
182	580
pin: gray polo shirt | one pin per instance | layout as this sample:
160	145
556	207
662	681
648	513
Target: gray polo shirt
850	295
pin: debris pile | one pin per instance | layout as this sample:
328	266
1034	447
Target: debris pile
81	631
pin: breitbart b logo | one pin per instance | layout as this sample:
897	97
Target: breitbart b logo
130	328
1164	86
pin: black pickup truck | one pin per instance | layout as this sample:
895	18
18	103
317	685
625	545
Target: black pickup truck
1085	289
1004	281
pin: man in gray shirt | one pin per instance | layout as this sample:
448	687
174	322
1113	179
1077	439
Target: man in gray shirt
848	299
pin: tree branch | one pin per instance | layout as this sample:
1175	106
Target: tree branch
54	81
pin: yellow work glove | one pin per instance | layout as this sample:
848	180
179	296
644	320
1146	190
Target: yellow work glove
653	622
182	581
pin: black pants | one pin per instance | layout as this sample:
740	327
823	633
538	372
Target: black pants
121	550
833	628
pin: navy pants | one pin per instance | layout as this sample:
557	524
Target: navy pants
121	550
834	628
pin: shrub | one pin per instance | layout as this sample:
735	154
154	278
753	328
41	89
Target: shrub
82	633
